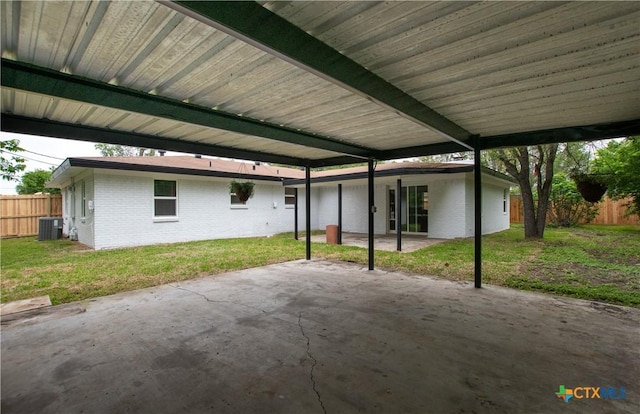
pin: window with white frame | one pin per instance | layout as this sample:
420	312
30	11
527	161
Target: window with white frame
83	197
505	194
289	197
235	201
165	200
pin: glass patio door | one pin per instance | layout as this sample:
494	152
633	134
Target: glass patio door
414	213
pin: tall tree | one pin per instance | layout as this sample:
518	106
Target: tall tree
35	182
112	150
527	164
573	158
11	164
619	162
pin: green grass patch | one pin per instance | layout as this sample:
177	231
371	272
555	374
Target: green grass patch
592	262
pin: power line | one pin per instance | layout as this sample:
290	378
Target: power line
30	159
43	155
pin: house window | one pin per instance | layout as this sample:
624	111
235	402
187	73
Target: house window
165	200
235	201
83	198
414	214
289	197
505	194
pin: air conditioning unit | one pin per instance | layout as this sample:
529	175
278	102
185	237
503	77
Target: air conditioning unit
49	228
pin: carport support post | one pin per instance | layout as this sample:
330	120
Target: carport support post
295	214
477	186
371	211
307	207
399	214
339	213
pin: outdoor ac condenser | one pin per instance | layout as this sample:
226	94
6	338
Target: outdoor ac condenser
49	228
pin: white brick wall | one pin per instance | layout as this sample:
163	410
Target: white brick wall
447	207
451	206
494	218
355	200
83	223
315	196
124	211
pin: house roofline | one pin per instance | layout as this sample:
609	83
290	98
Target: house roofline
397	172
114	165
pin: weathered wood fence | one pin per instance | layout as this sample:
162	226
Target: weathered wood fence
609	212
19	214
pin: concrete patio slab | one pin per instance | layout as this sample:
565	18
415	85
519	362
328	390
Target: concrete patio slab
388	242
320	337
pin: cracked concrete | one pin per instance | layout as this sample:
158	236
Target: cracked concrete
313	365
319	337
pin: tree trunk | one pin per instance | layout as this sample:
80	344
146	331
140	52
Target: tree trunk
517	163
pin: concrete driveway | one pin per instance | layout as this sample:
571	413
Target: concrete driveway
320	337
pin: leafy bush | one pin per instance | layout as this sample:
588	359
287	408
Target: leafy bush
567	207
620	159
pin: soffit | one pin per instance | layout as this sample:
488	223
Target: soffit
493	68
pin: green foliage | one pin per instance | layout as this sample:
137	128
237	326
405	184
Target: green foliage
109	150
11	165
573	158
242	189
620	161
533	168
567	207
35	182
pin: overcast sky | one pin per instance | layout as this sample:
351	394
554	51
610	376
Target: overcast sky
44	153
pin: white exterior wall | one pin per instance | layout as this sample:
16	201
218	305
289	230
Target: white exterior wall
451	205
447	206
494	218
124	214
355	200
72	208
302	202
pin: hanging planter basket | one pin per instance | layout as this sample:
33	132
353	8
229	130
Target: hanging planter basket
242	190
591	187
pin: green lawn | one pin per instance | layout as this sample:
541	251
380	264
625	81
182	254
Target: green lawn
592	262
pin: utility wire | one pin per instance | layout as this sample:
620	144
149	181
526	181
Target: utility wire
43	155
30	159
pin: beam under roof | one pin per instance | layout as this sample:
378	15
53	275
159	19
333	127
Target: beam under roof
255	25
564	134
27	77
55	129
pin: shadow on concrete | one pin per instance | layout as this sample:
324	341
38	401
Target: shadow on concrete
319	337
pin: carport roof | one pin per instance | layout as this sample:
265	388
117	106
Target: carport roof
320	83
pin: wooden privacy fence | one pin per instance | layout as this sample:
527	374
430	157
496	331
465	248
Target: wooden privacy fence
609	212
19	214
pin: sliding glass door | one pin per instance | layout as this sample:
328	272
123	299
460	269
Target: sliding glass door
414	211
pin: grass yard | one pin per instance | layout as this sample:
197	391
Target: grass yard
593	262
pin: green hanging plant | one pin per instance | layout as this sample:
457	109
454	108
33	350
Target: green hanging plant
242	190
591	186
